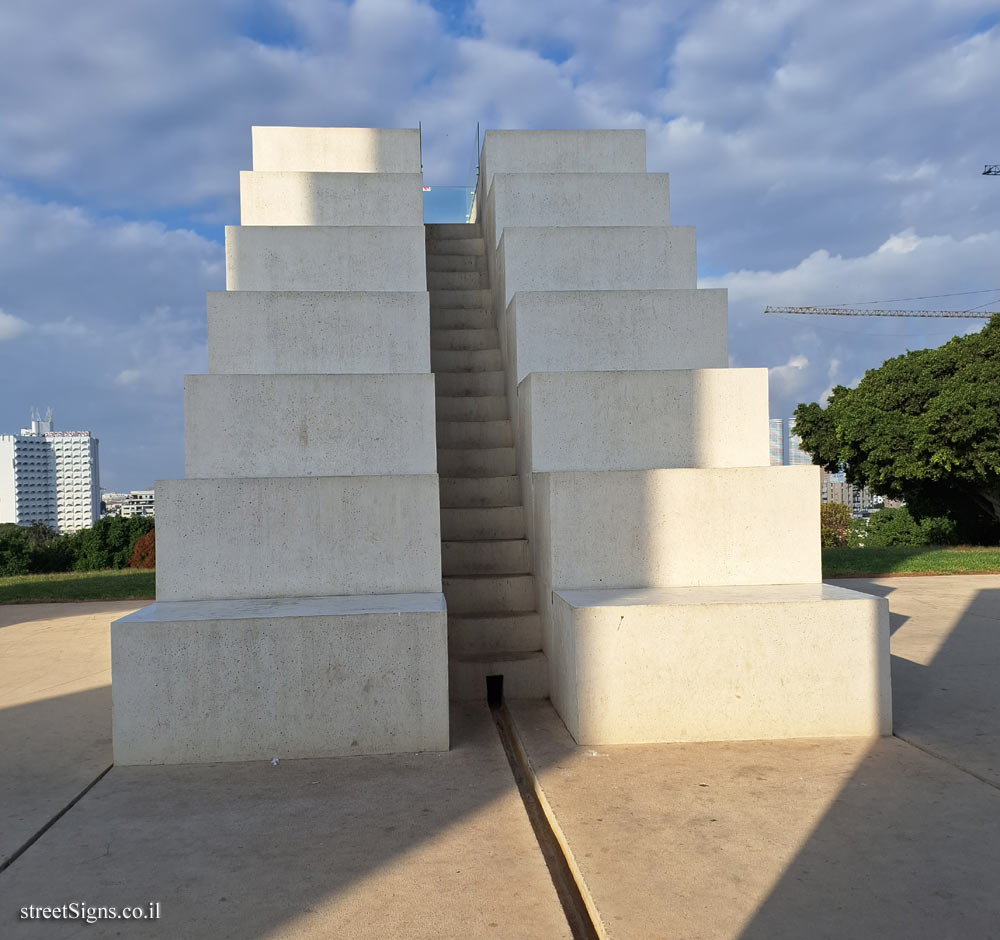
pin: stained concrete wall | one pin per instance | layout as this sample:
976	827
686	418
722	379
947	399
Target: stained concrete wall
294	198
336	149
721	663
308	425
643	420
318	332
595	258
517	200
297	537
189	676
328	258
568	151
675	528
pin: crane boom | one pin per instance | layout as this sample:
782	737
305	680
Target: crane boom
865	312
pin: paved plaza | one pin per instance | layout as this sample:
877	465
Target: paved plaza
838	837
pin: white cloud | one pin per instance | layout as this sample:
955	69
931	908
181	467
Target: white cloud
127	377
11	326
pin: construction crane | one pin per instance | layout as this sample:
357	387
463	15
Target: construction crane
865	312
992	169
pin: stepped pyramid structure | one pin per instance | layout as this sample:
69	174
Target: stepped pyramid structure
429	456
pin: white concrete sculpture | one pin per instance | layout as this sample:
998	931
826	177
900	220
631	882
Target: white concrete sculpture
299	609
583	469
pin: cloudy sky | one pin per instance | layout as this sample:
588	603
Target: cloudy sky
828	153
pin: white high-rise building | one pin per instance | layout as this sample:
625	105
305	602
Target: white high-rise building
49	476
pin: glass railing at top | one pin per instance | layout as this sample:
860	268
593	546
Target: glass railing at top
448	204
452	203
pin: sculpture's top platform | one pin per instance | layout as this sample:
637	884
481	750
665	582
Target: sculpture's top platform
336	149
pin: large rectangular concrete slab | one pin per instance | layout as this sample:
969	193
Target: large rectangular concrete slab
285	678
290	198
325	257
336	149
308	425
326	332
297	537
720	663
642	420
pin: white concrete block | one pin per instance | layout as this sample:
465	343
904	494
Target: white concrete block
327	258
308	425
336	149
643	420
674	528
572	151
290	198
595	258
721	664
267	332
557	199
251	680
582	331
297	537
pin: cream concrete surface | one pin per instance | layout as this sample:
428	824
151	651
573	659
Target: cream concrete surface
55	711
554	199
411	846
720	663
945	665
771	840
581	331
326	257
297	537
308	425
643	420
302	677
290	198
574	258
675	528
336	149
564	151
335	332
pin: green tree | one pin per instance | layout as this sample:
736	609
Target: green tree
109	542
15	550
924	427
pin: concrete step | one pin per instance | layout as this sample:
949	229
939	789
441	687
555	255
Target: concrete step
484	594
480	491
476	462
448	230
462	318
472	434
456	246
471	408
525	675
494	633
480	299
462	384
485	556
466	360
456	263
456	280
465	339
478	523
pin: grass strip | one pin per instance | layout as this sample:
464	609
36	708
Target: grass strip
124	585
878	562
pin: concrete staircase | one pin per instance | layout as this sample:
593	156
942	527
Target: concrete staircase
493	625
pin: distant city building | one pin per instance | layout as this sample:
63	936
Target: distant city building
135	503
786	450
785	445
49	476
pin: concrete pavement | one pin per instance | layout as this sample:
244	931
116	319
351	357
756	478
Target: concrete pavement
809	838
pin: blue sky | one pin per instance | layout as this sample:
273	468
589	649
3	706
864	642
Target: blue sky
826	153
